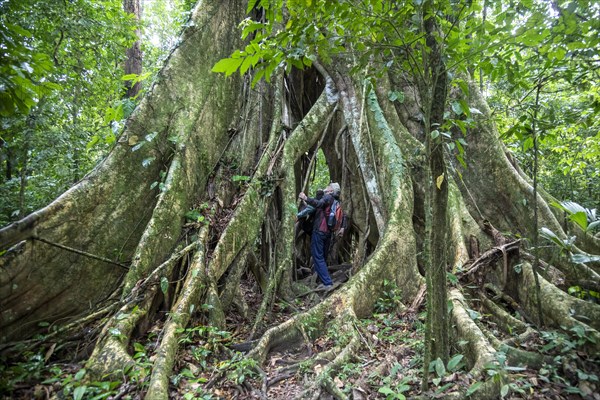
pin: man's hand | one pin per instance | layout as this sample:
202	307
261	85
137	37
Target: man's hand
302	196
340	232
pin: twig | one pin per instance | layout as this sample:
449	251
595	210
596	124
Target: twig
80	252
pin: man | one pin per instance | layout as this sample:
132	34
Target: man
321	236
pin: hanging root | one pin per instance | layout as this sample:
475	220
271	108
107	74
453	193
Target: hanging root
179	316
302	138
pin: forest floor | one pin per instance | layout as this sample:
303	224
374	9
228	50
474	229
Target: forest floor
387	366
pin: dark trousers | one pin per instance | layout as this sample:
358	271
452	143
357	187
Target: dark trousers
319	245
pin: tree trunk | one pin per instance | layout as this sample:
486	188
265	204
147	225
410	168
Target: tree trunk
133	62
234	155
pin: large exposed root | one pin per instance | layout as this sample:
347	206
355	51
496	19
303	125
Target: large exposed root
107	212
559	309
478	350
110	354
179	316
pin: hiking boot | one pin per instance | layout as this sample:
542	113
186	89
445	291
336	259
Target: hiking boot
323	288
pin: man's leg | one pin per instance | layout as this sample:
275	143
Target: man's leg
317	248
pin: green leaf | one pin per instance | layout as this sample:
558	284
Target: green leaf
240	178
115	332
452	278
454	362
434	134
386	390
580	218
164	284
395	95
228	65
549	235
593	225
19	30
79	392
138	347
129	77
457	108
473	388
80	374
584	258
464	87
504	391
440	370
147	161
251	5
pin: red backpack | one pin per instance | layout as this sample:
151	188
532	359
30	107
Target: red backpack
335	217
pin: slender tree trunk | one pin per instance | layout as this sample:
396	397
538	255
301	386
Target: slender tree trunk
8	159
133	63
23	177
434	104
75	135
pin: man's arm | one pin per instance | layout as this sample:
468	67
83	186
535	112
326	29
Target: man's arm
323	203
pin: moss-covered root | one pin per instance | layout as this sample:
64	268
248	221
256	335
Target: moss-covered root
478	350
164	227
559	309
501	317
178	319
290	331
346	349
110	356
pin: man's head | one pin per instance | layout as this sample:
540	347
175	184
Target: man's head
333	189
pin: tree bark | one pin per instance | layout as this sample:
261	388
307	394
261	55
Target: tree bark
133	61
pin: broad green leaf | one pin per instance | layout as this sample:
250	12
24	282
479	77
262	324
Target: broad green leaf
440	370
80	374
164	284
457	108
251	5
580	218
473	388
79	392
454	362
593	225
504	391
129	77
227	65
386	390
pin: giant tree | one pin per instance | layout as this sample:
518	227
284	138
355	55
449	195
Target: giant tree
116	253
